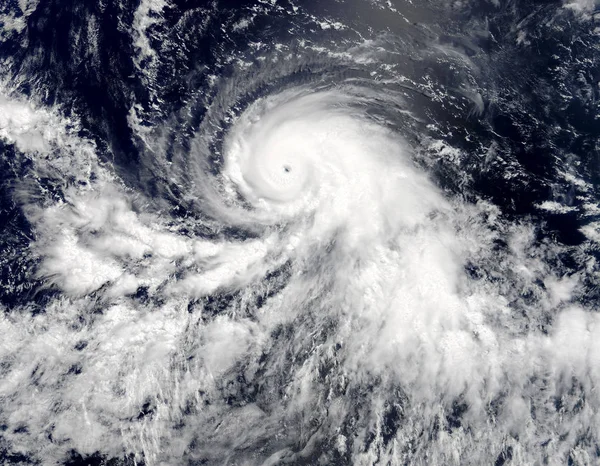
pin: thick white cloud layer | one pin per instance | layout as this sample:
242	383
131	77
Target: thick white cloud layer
376	301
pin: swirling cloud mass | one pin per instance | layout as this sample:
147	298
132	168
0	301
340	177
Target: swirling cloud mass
358	241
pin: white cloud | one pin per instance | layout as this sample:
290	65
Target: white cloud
373	306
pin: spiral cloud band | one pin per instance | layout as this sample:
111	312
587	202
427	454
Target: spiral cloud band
322	250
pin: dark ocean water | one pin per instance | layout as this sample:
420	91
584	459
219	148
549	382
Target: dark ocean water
276	232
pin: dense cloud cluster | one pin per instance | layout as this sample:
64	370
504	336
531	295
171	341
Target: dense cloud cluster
299	264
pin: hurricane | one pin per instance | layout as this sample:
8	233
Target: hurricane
274	232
